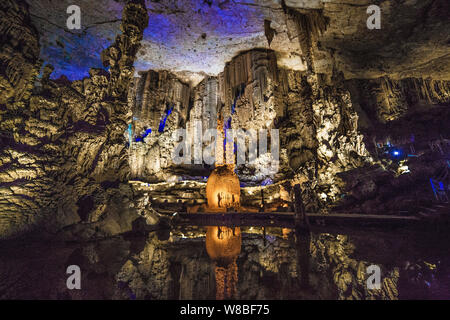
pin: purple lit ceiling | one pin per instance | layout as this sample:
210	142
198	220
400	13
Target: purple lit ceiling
195	36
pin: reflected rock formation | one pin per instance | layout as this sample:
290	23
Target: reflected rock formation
223	245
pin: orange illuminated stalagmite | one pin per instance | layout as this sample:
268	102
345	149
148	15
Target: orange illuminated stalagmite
223	189
223	244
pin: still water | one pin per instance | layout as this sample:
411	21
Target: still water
231	263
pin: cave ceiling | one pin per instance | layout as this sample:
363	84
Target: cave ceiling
197	37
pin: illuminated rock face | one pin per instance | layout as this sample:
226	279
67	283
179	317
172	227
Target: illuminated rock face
386	99
318	126
244	95
23	174
19	55
159	102
63	145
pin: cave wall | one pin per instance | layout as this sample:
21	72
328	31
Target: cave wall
352	117
160	105
24	165
319	134
63	154
412	41
251	101
67	147
20	52
385	99
317	122
243	95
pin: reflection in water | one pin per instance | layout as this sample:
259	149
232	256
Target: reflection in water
303	243
223	245
412	266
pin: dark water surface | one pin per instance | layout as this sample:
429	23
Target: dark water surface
272	264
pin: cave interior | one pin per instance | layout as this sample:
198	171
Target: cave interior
106	162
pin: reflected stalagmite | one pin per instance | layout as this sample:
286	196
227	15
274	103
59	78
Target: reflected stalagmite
223	245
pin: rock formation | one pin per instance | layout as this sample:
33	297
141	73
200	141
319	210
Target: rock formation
26	169
63	158
87	152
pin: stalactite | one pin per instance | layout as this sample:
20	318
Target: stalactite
254	68
394	100
387	99
433	91
310	25
155	91
210	103
121	55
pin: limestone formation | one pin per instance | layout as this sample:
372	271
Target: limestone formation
88	141
64	149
